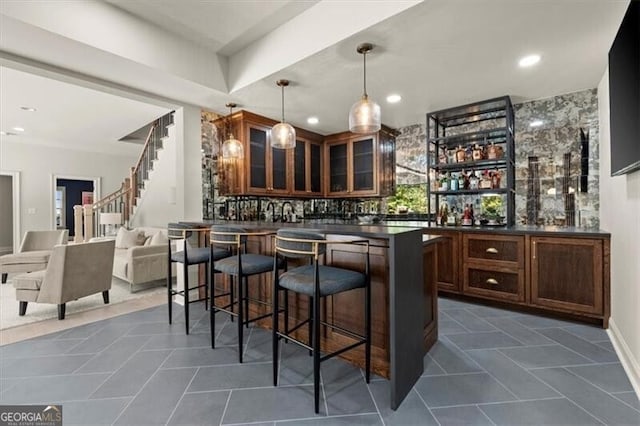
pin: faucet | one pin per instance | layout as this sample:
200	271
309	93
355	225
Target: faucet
291	211
273	210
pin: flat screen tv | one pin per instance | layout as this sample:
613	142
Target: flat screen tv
624	93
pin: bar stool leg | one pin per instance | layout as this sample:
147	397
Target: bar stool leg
240	316
310	325
231	295
367	345
169	298
246	302
212	312
206	286
286	310
186	297
316	353
274	327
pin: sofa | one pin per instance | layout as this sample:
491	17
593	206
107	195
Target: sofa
34	252
73	271
140	255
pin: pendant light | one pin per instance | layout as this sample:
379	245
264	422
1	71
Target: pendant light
283	135
364	116
231	147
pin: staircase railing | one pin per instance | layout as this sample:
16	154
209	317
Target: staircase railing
124	199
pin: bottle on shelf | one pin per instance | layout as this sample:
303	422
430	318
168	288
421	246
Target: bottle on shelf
453	183
473	181
444	183
477	153
461	154
452	217
461	180
495	179
467	220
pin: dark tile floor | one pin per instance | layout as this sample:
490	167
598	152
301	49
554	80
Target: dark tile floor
490	366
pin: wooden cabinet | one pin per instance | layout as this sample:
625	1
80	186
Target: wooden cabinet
360	165
541	271
307	168
270	171
567	274
493	266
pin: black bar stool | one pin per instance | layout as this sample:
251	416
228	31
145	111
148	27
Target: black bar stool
188	256
239	265
316	281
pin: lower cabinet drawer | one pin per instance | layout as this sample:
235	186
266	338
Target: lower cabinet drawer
501	284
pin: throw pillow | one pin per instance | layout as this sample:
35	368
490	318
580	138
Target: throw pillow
126	239
159	239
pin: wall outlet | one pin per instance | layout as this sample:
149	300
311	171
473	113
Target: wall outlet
31	210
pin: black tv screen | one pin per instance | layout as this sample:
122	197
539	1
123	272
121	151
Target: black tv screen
624	93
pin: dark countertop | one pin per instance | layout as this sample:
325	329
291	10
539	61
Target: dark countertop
513	230
371	231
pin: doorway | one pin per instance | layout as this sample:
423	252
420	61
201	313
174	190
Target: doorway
9	212
71	191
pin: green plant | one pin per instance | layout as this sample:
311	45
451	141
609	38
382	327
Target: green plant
492	206
414	197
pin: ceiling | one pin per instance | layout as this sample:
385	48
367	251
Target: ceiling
435	54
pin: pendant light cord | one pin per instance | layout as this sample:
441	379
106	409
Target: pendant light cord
364	54
282	103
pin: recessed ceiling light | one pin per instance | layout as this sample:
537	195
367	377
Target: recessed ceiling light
528	61
26	108
313	120
393	99
536	123
18	129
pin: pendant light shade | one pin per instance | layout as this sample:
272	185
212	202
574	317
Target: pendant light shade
283	135
231	147
364	116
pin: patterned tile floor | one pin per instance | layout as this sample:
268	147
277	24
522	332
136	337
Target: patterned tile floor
490	366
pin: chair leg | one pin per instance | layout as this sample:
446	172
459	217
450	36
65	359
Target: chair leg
367	319
105	296
22	308
169	298
310	325
240	316
246	302
4	278
61	310
186	298
316	354
231	295
212	312
274	328
206	286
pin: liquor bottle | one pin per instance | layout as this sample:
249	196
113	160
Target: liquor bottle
461	180
453	183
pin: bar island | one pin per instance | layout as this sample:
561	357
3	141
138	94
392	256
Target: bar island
403	296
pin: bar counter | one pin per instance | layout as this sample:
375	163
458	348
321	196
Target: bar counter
403	292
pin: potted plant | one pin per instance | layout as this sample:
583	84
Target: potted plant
492	208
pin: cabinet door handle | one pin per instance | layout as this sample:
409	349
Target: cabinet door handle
492	250
491	281
534	249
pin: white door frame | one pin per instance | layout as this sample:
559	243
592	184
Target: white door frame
52	192
16	206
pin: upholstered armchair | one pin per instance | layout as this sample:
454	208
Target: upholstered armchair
73	271
34	252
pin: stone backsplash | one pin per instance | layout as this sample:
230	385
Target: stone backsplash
558	133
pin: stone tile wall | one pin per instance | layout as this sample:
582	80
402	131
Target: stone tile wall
562	118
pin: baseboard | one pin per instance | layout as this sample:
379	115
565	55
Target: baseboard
629	363
6	250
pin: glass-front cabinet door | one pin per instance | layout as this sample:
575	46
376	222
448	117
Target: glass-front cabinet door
338	168
278	171
307	163
363	170
315	166
257	157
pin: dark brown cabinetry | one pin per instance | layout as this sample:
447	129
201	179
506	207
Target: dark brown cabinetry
307	168
562	274
567	274
493	266
360	165
270	171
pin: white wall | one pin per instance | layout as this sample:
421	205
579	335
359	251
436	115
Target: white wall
37	164
174	189
155	208
6	214
620	215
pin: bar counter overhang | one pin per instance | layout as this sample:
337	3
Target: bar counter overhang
404	296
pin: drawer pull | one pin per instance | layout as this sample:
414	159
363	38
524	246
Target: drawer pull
492	250
491	281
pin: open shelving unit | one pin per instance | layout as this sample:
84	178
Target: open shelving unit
484	123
